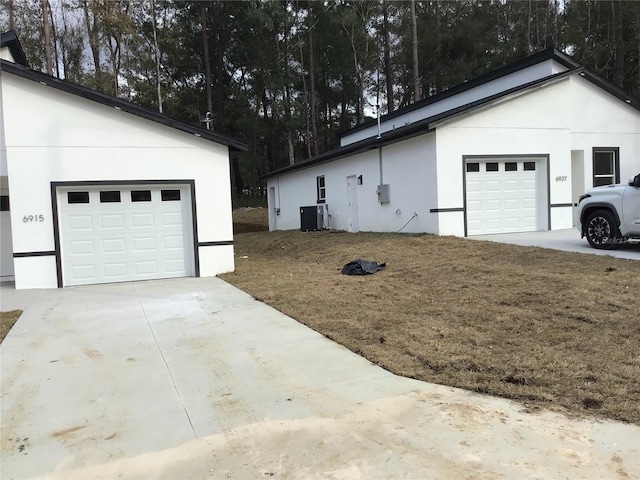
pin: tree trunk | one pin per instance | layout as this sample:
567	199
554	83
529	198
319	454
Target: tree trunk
312	81
307	114
94	43
359	73
529	20
55	39
237	176
156	53
618	41
387	59
12	15
206	57
414	51
47	37
115	62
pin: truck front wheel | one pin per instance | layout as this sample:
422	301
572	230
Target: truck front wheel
601	230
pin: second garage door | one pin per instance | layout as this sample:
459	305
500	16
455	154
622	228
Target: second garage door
115	233
503	195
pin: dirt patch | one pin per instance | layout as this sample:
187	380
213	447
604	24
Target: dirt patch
550	329
7	321
67	431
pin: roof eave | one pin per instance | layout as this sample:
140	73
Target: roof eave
388	138
611	88
107	100
10	40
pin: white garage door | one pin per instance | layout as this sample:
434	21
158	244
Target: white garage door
121	233
502	195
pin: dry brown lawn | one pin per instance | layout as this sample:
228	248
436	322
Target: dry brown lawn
550	329
7	321
250	220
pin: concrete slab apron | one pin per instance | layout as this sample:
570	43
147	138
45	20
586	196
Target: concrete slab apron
192	378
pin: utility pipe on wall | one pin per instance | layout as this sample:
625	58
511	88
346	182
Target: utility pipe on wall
380	164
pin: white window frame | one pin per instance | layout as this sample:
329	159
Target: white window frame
614	176
321	189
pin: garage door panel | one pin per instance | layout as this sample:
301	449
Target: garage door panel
82	247
492	205
174	266
112	221
149	267
511	204
492	186
171	219
144	244
473	186
80	222
127	240
114	246
173	242
511	186
115	270
84	272
142	220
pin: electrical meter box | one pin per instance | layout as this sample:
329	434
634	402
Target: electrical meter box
383	193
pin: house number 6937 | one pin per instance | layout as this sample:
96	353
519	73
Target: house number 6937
33	218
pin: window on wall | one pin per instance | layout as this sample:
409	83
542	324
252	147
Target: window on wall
4	203
606	166
320	188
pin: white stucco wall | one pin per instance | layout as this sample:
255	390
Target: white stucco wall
52	136
520	77
601	122
409	194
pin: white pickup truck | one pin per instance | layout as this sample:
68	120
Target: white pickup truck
610	215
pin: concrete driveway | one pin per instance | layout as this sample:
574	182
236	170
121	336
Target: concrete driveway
568	240
192	378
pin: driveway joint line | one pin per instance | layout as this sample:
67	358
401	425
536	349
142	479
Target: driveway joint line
153	334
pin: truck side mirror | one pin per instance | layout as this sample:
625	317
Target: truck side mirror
635	181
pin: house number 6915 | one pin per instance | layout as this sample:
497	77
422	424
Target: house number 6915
33	218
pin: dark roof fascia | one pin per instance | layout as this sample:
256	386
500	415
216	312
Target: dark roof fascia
468	85
388	138
122	105
612	88
599	80
10	40
414	129
519	89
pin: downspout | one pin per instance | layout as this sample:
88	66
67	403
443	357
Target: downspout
380	147
380	164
